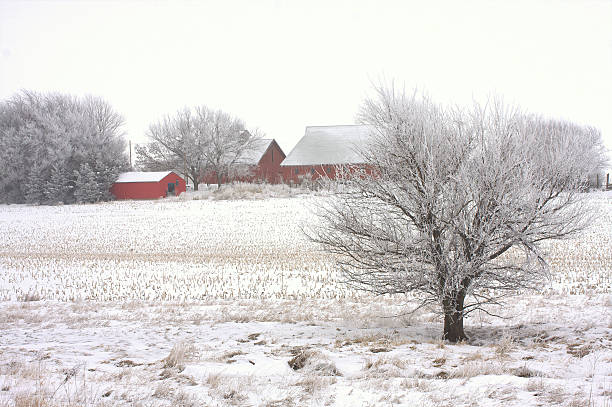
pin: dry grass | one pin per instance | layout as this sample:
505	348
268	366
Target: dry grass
31	296
242	190
438	362
312	383
228	357
474	356
387	367
184	399
385	361
287	401
504	346
29	400
419	384
378	342
579	350
524	371
214	380
479	368
180	353
163	390
229	389
313	361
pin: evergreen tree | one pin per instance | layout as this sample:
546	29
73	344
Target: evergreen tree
34	187
86	188
57	134
57	188
106	175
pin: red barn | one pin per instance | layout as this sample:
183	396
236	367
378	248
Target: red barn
147	185
323	149
262	162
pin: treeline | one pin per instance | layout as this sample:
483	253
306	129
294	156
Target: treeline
57	148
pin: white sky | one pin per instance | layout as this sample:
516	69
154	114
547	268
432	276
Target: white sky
283	65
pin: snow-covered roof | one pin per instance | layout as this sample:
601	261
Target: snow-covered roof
137	176
330	145
252	156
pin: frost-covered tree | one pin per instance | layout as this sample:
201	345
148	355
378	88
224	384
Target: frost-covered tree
52	133
228	143
86	187
173	146
454	205
34	186
105	176
57	186
195	142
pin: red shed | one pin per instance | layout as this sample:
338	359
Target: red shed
147	185
263	162
323	148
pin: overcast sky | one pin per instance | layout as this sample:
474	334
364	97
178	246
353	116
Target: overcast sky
283	65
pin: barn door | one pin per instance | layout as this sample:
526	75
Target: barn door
171	188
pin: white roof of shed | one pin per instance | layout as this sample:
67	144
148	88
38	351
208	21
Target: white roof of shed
253	156
330	145
137	176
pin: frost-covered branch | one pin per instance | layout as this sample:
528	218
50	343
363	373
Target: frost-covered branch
459	203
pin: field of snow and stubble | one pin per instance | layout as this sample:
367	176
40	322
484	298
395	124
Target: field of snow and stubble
201	302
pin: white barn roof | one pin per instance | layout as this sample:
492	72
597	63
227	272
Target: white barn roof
136	176
330	145
253	156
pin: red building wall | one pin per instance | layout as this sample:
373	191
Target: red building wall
267	170
148	190
296	173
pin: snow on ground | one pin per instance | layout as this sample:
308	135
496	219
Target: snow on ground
191	302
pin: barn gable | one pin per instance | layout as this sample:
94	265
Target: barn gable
252	157
268	166
264	159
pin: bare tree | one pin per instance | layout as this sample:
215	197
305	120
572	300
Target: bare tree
174	146
197	141
229	145
459	202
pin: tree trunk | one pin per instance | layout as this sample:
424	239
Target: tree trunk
218	181
453	318
194	180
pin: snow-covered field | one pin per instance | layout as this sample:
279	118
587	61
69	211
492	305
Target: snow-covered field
201	302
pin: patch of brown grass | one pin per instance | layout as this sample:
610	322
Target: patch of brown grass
313	361
504	346
579	350
312	384
28	400
180	353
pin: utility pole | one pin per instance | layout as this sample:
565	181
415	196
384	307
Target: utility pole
185	168
130	153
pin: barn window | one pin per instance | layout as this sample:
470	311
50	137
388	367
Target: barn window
329	170
177	182
272	155
312	171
